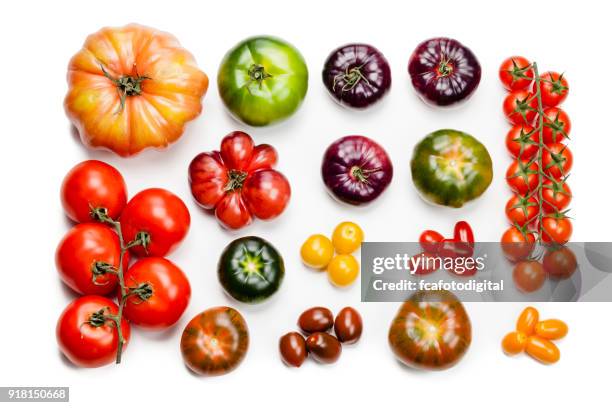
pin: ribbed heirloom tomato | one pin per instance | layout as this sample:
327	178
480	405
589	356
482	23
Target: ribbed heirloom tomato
133	87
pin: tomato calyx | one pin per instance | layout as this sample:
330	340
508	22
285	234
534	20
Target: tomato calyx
144	291
99	268
360	174
524	171
524	139
556	187
518	73
557	85
557	160
235	180
445	68
351	77
257	74
523	106
524	202
98	318
556	127
127	85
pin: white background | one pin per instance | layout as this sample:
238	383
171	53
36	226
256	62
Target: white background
38	148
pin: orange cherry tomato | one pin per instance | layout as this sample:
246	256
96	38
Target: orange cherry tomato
347	237
514	343
542	350
527	321
551	329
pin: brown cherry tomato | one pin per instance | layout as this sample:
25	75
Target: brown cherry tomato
316	319
215	341
514	343
348	325
529	276
551	329
527	320
292	348
324	347
560	263
542	350
431	331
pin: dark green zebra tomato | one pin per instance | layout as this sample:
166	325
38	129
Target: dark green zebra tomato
450	168
250	269
262	80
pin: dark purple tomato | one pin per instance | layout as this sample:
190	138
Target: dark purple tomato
316	319
292	348
348	325
356	170
357	75
324	347
444	71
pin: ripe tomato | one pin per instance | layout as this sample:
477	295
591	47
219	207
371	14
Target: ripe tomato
87	248
522	176
430	241
215	341
161	216
528	276
520	107
514	343
517	245
343	270
560	263
557	125
551	329
556	230
85	334
160	293
347	237
528	320
554	88
542	350
516	73
556	196
93	184
522	142
557	160
317	251
239	181
521	210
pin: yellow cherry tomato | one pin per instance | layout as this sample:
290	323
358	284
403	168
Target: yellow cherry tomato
347	237
527	321
514	343
551	329
542	350
343	270
317	251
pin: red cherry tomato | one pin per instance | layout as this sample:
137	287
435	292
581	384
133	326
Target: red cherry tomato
557	230
522	176
528	276
556	196
430	241
516	244
520	107
521	210
522	142
557	125
557	160
85	334
161	293
516	73
159	214
554	88
93	184
87	248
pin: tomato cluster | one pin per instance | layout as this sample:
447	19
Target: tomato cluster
539	170
461	245
93	259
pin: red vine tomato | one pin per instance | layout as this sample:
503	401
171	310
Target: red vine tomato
516	73
522	176
522	142
557	160
556	229
554	88
557	125
528	276
516	244
556	195
520	107
521	210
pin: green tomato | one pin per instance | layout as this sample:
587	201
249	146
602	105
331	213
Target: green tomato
450	168
262	80
250	269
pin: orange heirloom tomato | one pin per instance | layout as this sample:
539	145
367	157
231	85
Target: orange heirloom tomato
542	350
133	87
551	329
527	321
514	343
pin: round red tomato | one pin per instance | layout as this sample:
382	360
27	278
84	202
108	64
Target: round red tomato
528	276
90	185
86	335
521	210
522	176
556	196
430	241
160	293
522	142
215	341
554	88
557	160
520	107
560	263
516	244
158	217
556	230
239	181
516	73
557	125
89	248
